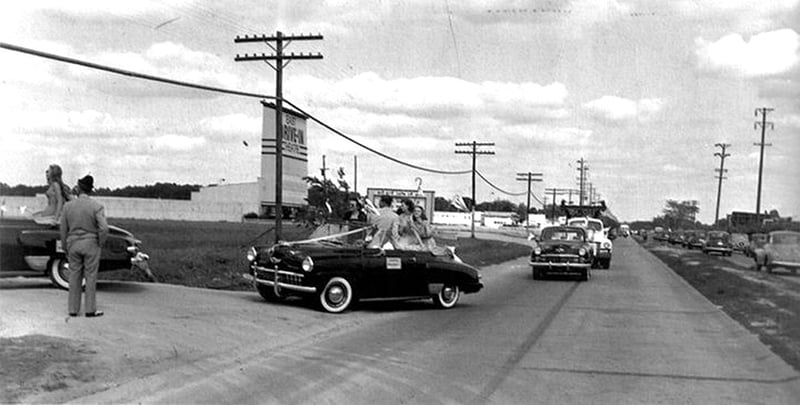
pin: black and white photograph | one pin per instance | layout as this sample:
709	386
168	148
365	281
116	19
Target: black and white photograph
400	202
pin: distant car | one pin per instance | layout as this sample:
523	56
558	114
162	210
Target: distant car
598	236
757	240
676	238
718	242
337	268
686	236
739	241
696	240
781	250
31	249
562	250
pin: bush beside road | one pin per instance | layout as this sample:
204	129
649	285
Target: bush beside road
766	304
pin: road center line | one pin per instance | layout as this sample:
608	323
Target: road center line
517	355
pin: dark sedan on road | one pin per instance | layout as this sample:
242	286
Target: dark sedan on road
718	242
31	249
335	267
562	250
696	240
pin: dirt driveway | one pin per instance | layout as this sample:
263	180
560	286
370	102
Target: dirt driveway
47	356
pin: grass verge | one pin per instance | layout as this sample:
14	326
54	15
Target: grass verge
766	304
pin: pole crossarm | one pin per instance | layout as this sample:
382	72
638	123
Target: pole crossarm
289	56
264	38
474	152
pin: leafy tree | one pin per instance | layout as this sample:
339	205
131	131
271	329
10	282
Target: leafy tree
327	200
680	214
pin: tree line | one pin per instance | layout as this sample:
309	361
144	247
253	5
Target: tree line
169	191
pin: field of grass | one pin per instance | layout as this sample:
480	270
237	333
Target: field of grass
212	254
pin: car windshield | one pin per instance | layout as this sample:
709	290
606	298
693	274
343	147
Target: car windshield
340	234
595	226
563	234
786	239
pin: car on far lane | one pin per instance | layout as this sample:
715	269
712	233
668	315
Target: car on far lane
718	242
757	241
562	250
696	240
781	250
739	241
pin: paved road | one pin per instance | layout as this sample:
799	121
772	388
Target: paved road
633	334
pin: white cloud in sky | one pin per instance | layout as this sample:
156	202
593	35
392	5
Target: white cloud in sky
432	96
618	109
763	54
178	142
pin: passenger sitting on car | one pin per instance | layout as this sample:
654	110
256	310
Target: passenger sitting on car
385	221
57	195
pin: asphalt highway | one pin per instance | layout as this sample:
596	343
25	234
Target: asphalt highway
636	333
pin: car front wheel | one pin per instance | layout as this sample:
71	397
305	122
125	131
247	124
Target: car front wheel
447	297
337	295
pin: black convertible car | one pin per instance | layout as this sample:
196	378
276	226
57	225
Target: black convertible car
562	250
336	267
30	249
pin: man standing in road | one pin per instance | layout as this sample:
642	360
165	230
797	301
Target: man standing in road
386	223
83	231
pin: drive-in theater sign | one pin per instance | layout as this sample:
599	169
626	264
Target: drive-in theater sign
295	159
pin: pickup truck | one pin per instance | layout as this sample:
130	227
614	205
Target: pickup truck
30	249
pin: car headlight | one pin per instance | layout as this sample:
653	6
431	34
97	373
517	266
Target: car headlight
537	251
581	252
308	264
607	245
251	254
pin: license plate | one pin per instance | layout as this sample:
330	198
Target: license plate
59	248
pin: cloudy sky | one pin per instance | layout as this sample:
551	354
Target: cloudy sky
642	90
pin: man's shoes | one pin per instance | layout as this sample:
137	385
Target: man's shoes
73	314
94	314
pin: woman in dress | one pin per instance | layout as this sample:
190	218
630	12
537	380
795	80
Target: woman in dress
420	224
57	195
409	240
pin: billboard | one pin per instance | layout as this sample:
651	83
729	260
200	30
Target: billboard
295	158
424	198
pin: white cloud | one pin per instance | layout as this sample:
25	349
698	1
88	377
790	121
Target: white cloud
178	142
433	96
764	54
618	109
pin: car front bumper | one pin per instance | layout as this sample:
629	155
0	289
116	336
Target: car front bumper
286	279
718	249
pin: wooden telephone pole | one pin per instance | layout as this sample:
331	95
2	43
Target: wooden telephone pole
474	152
763	125
280	60
529	177
722	155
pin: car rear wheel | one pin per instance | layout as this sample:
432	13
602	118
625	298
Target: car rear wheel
447	297
58	270
337	295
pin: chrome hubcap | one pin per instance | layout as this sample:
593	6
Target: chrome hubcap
336	295
448	293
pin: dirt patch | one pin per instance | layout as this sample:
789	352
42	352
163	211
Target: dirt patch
37	363
765	304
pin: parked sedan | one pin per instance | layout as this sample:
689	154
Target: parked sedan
781	250
696	240
336	268
562	250
31	249
718	242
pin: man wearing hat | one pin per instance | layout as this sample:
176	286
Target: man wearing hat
83	231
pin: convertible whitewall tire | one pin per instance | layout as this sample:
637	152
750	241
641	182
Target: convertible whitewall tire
447	297
337	295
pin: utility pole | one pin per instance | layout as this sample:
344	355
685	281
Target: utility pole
280	61
474	152
529	177
355	173
556	191
582	179
722	170
763	124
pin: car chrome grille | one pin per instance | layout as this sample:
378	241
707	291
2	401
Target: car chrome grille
284	277
560	258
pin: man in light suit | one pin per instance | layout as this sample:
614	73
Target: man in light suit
83	232
386	223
